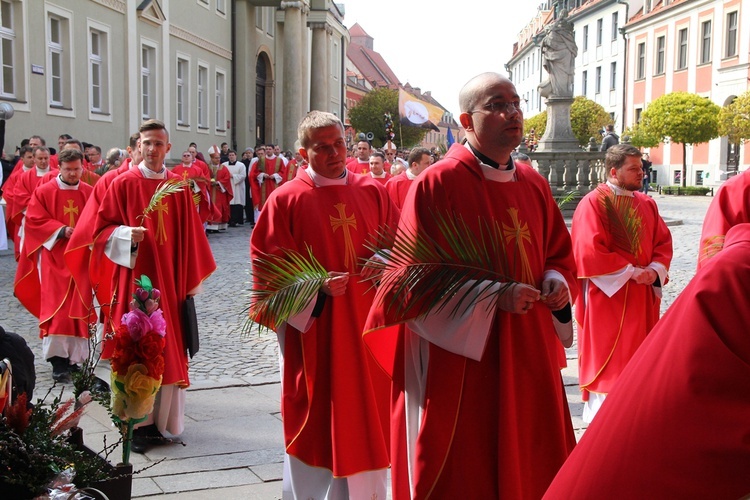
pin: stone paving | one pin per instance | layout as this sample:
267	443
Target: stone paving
233	429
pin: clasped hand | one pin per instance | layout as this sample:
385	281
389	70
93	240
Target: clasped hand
644	276
519	298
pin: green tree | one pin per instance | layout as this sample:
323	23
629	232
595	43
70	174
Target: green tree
683	118
587	118
734	119
639	138
369	116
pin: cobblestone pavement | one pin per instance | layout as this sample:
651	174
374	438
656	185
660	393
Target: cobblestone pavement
228	357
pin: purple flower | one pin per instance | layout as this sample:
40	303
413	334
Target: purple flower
138	324
155	294
158	323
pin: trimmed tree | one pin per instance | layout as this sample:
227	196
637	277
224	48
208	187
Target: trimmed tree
369	116
734	119
587	118
639	138
683	118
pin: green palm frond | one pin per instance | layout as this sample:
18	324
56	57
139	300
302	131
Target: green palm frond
166	188
624	222
282	286
566	198
421	273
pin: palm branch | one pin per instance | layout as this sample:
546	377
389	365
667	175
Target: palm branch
566	198
282	286
166	188
421	273
624	222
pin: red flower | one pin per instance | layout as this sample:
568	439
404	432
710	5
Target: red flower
150	346
155	366
124	352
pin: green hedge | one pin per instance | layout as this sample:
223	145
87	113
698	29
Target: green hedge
686	191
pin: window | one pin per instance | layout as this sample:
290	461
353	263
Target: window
586	38
56	64
98	69
220	101
660	47
599	31
682	48
584	83
598	80
221	6
613	76
259	17
271	21
705	42
7	50
148	82
202	97
614	26
182	92
730	49
641	69
638	113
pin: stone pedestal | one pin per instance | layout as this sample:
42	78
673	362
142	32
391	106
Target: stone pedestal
558	136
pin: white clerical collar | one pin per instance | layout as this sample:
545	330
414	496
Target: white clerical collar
411	176
321	181
619	191
66	187
41	171
150	174
495	174
381	176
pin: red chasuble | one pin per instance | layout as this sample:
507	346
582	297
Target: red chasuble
290	171
220	199
498	427
51	298
175	255
612	328
9	196
84	264
335	398
196	172
676	422
381	180
357	167
730	206
24	188
263	165
397	188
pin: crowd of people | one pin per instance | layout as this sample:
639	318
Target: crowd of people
451	378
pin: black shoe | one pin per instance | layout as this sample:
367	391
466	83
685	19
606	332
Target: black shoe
60	370
140	443
232	225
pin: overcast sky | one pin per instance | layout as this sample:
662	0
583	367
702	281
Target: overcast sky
439	45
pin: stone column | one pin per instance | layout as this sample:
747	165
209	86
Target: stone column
558	136
292	91
320	77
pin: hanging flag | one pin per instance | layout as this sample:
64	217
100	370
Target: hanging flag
418	113
451	140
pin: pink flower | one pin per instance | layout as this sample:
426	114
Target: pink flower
138	324
158	323
151	306
155	294
141	294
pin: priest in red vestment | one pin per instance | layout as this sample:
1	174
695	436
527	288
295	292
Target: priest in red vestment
623	249
676	422
43	283
266	174
170	247
397	186
730	206
360	164
24	189
198	181
479	409
377	168
25	163
221	191
334	396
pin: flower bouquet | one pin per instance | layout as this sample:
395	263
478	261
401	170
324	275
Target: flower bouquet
137	361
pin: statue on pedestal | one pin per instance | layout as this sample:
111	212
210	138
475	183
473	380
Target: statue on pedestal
559	51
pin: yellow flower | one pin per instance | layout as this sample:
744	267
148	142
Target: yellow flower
134	394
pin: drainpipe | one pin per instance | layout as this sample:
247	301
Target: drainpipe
625	65
233	85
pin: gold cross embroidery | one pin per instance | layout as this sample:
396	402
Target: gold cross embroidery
346	223
520	233
70	210
161	232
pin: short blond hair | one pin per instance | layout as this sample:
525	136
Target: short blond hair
315	120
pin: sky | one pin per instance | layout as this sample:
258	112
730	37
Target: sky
439	45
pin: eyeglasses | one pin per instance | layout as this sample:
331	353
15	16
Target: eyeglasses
501	107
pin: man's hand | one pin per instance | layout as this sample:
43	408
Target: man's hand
644	276
68	232
518	298
336	283
137	235
261	177
373	270
554	294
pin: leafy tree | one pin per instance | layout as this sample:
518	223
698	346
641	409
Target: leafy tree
587	118
639	138
683	118
369	116
734	119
